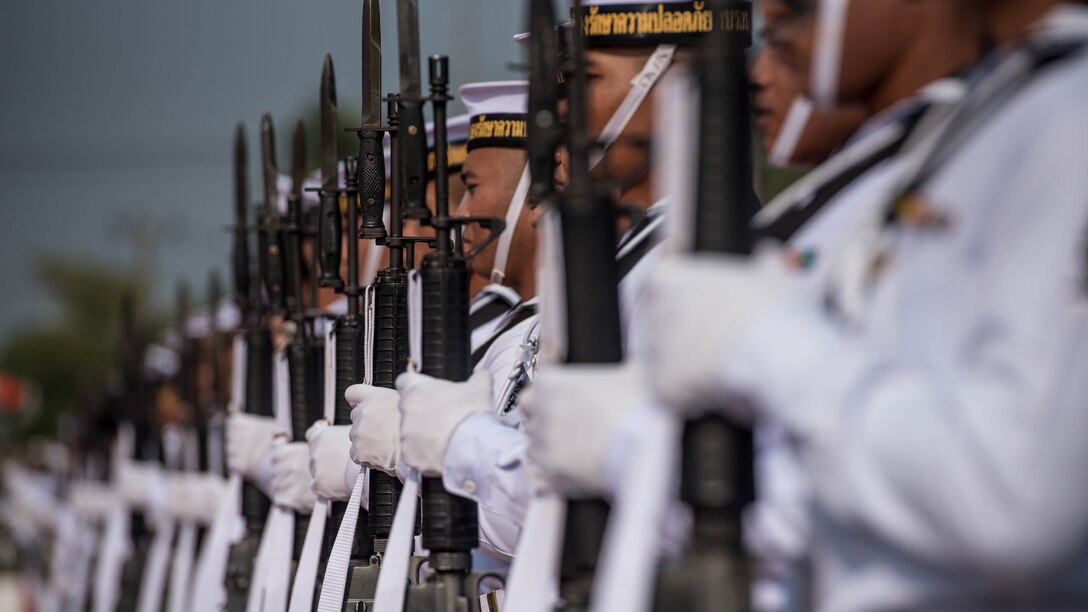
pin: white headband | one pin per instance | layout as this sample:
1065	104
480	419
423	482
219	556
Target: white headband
793	127
827	55
513	213
641	85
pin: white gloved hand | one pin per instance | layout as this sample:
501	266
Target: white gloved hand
375	427
431	409
700	306
134	481
249	448
329	459
291	480
573	416
193	496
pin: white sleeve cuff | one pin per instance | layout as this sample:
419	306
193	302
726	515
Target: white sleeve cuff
486	462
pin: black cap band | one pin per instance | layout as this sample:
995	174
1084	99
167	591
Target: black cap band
498	130
680	23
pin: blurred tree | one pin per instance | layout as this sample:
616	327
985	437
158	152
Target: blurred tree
73	352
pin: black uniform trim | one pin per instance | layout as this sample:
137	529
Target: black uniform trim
521	313
795	217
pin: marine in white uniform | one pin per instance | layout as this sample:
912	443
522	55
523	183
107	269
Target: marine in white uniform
495	185
930	379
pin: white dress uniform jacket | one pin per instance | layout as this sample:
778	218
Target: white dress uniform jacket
944	428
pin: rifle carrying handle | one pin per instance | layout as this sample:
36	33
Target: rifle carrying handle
413	148
372	184
449	522
329	237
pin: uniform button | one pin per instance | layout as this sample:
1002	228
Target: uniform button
469	486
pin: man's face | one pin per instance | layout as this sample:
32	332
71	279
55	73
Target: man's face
608	79
490	177
774	87
875	35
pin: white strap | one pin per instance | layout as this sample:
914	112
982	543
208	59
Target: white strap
369	297
181	569
272	568
330	373
115	549
827	56
302	590
513	213
87	545
393	579
153	580
237	375
209	591
415	322
657	64
336	571
281	396
629	550
789	135
534	576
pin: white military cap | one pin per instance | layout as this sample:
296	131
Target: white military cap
496	112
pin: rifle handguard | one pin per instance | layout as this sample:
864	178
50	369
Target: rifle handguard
449	522
390	359
255	504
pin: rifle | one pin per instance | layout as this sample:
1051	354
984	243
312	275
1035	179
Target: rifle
450	527
389	355
134	410
305	351
716	462
258	388
216	398
349	327
592	318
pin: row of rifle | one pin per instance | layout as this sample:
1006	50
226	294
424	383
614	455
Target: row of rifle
372	340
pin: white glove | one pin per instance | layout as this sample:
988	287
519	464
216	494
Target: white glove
329	460
249	448
699	307
135	482
194	497
291	480
91	500
431	409
375	427
573	416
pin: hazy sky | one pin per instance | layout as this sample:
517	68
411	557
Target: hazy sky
120	113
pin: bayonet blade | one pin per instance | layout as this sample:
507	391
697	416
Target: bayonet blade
298	160
268	165
408	37
329	135
372	64
241	202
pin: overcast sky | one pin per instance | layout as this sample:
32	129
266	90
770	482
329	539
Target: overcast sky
120	110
